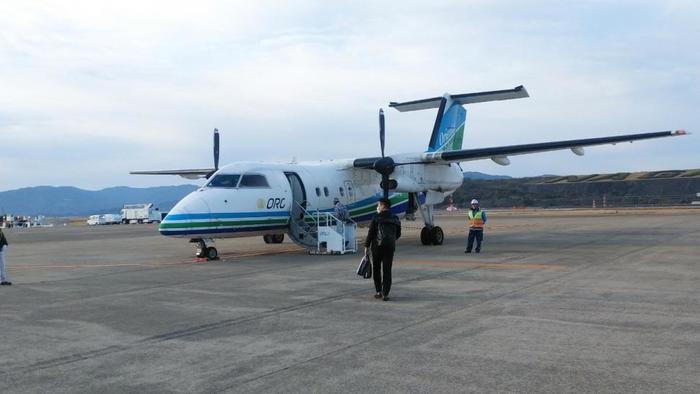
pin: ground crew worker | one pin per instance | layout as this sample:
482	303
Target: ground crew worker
3	248
477	219
384	230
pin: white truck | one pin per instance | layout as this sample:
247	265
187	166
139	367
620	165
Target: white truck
108	218
95	220
140	213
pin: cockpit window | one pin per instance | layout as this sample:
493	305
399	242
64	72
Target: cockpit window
254	180
224	180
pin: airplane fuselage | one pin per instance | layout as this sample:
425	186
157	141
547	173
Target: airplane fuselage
247	198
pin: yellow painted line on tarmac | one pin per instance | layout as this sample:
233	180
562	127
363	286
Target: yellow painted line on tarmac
476	264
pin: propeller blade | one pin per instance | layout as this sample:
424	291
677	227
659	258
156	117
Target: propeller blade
385	185
216	149
381	129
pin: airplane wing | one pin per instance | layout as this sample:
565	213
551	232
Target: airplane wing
500	154
189	174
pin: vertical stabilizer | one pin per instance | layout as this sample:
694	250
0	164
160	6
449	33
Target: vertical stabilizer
448	131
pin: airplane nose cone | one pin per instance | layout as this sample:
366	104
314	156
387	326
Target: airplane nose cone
188	215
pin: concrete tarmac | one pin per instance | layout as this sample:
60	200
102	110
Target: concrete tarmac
587	302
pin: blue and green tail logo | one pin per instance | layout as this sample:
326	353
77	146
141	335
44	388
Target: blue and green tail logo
450	133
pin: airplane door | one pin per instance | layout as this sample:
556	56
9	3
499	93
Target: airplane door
350	190
298	194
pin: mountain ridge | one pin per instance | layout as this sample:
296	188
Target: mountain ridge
73	201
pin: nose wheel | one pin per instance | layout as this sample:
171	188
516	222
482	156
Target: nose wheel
205	250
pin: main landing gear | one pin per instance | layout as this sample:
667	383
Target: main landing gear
430	234
273	238
205	249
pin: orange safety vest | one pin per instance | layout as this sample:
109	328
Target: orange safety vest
476	219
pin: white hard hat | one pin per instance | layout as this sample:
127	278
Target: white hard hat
475	201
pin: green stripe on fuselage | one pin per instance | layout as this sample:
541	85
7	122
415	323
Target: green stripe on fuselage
222	223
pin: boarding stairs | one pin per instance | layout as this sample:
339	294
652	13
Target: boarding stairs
321	232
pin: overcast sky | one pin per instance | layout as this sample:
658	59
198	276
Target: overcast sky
90	90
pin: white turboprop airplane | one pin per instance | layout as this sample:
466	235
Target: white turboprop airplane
245	199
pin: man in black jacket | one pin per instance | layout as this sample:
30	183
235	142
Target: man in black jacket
384	230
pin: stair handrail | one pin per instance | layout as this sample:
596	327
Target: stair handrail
326	218
306	211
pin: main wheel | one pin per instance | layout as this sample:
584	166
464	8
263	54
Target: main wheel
425	236
436	235
277	238
267	238
212	253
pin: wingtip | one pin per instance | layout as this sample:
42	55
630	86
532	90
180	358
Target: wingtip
680	132
522	89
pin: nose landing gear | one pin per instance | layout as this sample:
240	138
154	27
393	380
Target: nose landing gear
205	249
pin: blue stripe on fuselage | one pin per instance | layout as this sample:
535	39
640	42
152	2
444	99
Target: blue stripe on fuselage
224	215
224	230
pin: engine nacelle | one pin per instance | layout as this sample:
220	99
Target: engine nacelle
422	178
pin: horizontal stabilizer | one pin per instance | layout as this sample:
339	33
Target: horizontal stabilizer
467	98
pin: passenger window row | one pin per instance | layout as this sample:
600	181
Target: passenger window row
326	193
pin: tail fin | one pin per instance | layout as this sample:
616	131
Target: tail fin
448	131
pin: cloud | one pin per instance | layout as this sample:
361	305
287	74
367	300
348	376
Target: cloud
143	83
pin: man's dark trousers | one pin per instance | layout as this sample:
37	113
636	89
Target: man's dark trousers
479	235
382	258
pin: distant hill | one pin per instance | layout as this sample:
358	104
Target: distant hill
71	201
656	188
481	176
